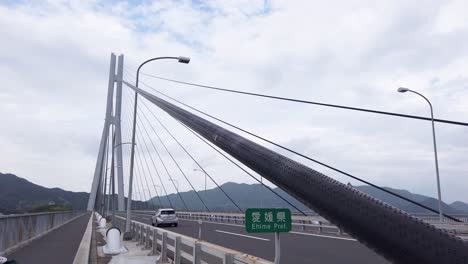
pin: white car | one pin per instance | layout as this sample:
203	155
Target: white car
166	216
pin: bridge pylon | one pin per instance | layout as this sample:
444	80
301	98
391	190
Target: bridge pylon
112	118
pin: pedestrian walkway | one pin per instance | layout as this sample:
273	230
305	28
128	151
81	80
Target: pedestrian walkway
58	246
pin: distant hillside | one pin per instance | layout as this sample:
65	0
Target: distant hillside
254	195
460	206
18	195
407	206
245	195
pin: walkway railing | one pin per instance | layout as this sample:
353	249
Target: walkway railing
301	223
177	247
17	230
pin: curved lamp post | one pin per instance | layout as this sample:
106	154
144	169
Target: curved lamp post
205	176
127	234
404	90
176	182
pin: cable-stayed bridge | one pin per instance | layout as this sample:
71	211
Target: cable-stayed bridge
141	158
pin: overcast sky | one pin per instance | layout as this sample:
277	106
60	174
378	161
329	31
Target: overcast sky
54	63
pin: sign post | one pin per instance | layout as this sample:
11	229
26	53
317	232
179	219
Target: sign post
199	228
269	220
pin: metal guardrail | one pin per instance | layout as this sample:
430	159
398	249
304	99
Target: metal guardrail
178	247
435	218
301	223
318	223
15	230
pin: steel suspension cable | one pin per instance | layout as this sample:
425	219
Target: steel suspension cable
240	167
151	178
139	188
165	168
147	120
175	162
300	154
452	122
141	167
137	168
399	237
187	152
155	167
157	173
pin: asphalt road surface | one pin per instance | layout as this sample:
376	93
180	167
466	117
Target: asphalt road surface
296	247
58	246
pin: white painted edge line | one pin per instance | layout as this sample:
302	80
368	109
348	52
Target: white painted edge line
235	234
291	232
209	222
82	254
316	235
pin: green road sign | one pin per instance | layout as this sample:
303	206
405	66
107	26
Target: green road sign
267	220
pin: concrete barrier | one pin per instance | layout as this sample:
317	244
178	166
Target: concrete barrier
18	230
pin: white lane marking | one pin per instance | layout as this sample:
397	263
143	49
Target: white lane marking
216	223
292	232
334	237
235	234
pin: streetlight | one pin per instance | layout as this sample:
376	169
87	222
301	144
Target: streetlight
139	195
127	234
205	176
155	185
404	90
157	188
175	181
158	192
123	144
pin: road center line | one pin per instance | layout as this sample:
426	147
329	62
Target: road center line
235	234
209	222
334	237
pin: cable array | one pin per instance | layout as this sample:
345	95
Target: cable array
452	122
298	153
175	162
230	160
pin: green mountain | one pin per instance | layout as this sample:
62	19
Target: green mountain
255	195
18	195
460	206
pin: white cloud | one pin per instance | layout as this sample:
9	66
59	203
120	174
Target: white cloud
54	74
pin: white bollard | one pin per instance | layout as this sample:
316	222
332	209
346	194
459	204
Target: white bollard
102	223
113	245
113	239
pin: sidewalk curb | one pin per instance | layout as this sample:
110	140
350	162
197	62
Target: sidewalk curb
82	254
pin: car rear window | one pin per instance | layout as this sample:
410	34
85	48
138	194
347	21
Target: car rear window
168	212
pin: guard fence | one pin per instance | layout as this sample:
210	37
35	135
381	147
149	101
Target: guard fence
319	224
299	223
183	249
18	229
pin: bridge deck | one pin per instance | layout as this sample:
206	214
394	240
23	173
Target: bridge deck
58	246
